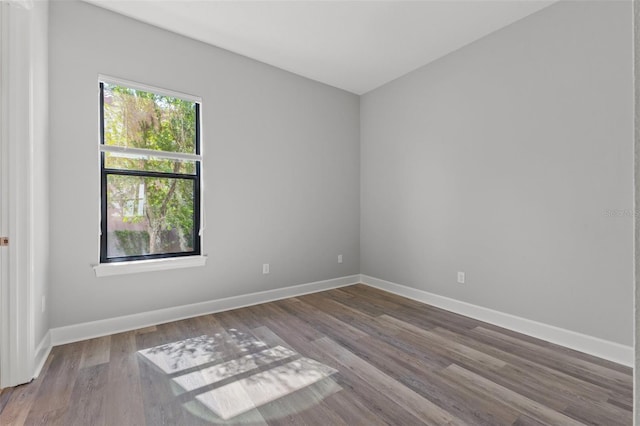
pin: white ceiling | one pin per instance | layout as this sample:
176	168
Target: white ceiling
354	45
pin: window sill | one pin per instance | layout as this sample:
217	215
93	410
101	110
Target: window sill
134	267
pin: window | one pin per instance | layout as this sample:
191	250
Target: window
150	173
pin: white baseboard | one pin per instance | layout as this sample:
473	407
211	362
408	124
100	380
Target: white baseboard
89	330
581	342
42	353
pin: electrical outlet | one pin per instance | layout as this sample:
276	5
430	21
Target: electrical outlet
265	268
339	258
461	277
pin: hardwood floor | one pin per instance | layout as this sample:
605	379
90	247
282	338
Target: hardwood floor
350	356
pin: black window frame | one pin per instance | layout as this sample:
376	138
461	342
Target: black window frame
105	172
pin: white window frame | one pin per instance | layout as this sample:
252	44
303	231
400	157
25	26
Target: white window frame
148	265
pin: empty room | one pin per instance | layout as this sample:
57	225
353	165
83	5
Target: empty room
318	212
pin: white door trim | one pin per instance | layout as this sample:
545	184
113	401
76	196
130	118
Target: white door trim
16	310
4	194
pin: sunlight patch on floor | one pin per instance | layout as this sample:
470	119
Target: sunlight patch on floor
243	395
232	373
196	351
217	373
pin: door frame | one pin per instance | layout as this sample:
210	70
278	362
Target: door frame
16	213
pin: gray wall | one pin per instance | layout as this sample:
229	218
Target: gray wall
281	168
503	160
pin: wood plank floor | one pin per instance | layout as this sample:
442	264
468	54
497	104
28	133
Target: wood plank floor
350	356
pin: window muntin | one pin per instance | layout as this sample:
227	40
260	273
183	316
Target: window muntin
150	166
129	161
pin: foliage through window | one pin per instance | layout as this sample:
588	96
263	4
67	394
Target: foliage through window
150	166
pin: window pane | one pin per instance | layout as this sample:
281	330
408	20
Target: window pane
148	215
127	161
137	119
